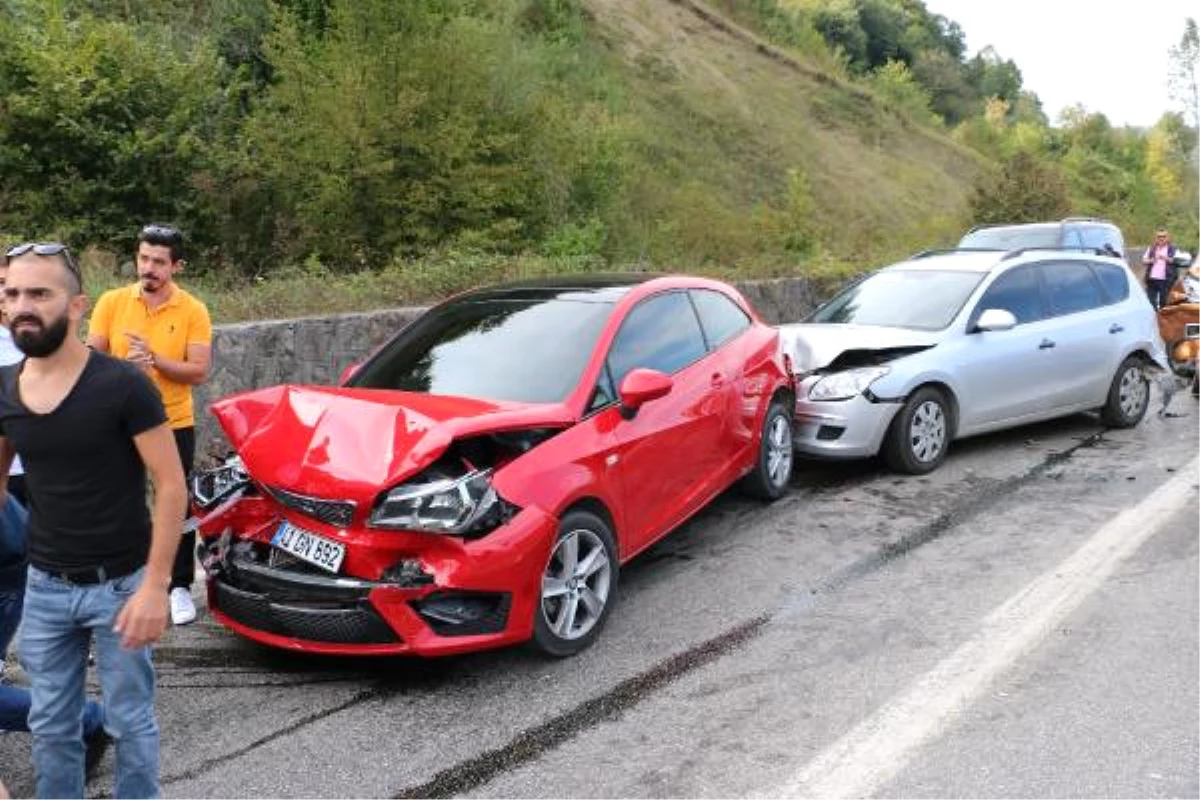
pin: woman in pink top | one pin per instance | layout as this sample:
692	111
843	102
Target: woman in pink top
1160	268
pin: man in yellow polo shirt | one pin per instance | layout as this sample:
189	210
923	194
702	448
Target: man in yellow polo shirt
157	325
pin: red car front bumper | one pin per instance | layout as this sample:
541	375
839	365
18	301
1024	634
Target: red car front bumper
397	593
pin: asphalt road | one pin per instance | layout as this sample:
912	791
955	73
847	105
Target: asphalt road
1021	623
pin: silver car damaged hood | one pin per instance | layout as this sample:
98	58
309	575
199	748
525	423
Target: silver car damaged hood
812	346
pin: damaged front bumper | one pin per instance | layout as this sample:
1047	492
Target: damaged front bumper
427	595
835	429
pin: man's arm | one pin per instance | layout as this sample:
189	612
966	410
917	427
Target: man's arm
144	618
192	370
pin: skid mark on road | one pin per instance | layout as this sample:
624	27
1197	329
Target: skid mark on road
530	744
208	764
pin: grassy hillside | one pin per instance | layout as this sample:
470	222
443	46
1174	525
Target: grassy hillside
726	124
390	153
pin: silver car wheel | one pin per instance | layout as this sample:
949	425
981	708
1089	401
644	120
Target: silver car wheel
575	585
1133	391
927	433
779	451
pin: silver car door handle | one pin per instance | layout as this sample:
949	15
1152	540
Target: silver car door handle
1045	345
1116	328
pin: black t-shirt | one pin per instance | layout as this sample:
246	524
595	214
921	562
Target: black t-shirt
86	481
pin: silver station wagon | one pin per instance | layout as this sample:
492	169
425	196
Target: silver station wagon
957	343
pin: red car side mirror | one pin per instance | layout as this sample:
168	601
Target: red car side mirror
641	386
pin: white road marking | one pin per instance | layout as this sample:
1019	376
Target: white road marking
874	751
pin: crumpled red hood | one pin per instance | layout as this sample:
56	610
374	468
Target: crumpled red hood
352	443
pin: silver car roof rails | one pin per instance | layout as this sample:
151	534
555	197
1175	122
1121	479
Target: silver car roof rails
938	251
1087	219
1099	251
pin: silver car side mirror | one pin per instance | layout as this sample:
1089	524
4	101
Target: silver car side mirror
996	319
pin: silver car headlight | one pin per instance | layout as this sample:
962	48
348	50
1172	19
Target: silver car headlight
439	505
846	384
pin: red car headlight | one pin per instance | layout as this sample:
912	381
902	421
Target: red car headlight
454	506
211	486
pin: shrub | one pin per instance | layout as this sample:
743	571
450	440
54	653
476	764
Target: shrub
1023	189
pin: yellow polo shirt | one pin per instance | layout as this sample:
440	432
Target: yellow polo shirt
169	329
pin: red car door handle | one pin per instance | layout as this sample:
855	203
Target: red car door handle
718	380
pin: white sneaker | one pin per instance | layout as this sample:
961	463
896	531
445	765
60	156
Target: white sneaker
183	610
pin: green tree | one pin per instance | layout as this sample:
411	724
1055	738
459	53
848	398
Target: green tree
894	80
1023	189
837	21
104	126
951	96
993	76
406	127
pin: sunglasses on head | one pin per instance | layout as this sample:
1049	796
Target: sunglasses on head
163	231
46	249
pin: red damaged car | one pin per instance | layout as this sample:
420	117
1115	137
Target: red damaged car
479	480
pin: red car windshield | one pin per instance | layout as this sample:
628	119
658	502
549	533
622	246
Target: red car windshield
524	350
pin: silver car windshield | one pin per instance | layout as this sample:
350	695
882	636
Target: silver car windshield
923	300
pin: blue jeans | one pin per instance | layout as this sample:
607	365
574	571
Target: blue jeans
60	618
14	700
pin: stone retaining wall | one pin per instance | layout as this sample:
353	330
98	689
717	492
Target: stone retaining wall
315	350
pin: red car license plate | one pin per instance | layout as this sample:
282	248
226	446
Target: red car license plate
324	553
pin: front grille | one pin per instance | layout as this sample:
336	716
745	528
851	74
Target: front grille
331	512
296	584
355	624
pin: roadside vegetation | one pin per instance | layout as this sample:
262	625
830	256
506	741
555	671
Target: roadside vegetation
341	155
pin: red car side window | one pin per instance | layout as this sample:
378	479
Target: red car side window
661	333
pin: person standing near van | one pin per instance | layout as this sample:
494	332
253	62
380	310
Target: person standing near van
167	332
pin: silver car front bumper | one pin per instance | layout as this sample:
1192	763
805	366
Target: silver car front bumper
851	428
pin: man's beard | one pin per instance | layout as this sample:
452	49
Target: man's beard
151	284
42	341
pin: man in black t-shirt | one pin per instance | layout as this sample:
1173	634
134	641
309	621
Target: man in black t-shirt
88	428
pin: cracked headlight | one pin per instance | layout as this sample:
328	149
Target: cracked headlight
847	384
453	506
211	486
